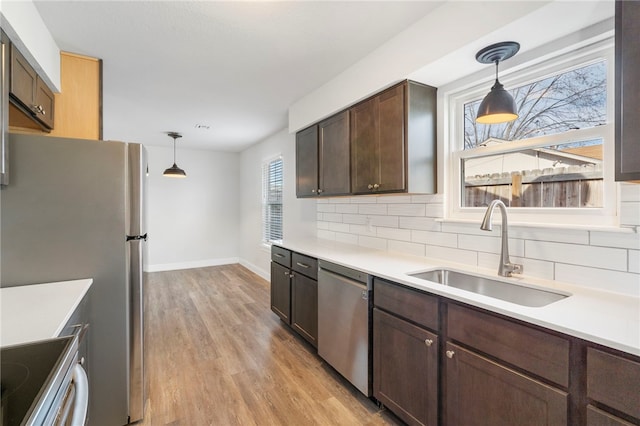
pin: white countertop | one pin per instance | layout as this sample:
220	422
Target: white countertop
39	311
598	316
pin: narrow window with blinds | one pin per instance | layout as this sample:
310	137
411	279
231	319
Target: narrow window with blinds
272	200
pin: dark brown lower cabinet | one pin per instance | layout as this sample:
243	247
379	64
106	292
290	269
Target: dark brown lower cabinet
405	364
613	383
482	392
281	291
596	417
304	307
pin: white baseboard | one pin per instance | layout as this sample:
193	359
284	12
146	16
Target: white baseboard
191	265
255	269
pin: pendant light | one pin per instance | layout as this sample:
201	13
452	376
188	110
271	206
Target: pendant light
174	171
498	106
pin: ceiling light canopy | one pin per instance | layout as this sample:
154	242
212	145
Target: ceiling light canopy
174	171
498	106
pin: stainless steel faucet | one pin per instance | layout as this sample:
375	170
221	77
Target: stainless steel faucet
506	268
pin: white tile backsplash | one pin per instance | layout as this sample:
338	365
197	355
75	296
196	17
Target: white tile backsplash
423	223
388	221
354	219
412	224
490	244
394	233
435	238
616	239
407	209
604	279
324	208
372	242
634	262
407	248
575	254
372	209
466	257
346	208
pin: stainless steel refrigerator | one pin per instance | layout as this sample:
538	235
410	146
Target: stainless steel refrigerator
76	209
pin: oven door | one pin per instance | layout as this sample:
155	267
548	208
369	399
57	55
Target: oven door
75	401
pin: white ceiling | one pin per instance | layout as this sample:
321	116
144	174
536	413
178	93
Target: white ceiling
235	66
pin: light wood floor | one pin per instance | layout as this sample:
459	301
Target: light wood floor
217	355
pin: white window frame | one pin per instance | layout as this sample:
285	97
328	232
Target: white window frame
607	215
265	202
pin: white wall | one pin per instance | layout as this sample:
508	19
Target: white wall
426	41
193	222
26	29
299	214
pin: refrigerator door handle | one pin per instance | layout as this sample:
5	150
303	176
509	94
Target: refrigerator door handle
137	237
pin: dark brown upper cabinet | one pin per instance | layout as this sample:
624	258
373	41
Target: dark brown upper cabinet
28	93
384	144
393	141
627	34
322	158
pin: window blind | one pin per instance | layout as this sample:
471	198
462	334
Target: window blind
272	181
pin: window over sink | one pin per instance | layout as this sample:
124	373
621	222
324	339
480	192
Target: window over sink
553	164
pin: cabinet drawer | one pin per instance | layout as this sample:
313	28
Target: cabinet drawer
281	256
533	350
614	381
413	305
305	265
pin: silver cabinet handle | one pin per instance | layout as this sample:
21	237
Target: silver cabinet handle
302	265
320	191
365	295
376	186
279	255
313	191
370	186
286	273
428	342
450	354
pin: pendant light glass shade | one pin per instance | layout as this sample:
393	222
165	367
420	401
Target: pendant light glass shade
498	106
174	171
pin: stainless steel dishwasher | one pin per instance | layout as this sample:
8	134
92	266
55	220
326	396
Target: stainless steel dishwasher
343	322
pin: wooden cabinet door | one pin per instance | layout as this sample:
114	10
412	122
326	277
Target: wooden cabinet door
627	34
365	150
334	161
281	291
405	369
481	392
23	80
614	381
307	162
378	143
597	417
44	104
304	307
392	141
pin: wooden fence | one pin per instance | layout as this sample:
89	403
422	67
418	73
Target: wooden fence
578	187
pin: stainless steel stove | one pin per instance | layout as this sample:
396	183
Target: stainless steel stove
41	383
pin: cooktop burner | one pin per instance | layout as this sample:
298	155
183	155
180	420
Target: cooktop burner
25	373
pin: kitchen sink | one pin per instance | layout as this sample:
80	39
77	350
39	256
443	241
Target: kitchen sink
514	293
